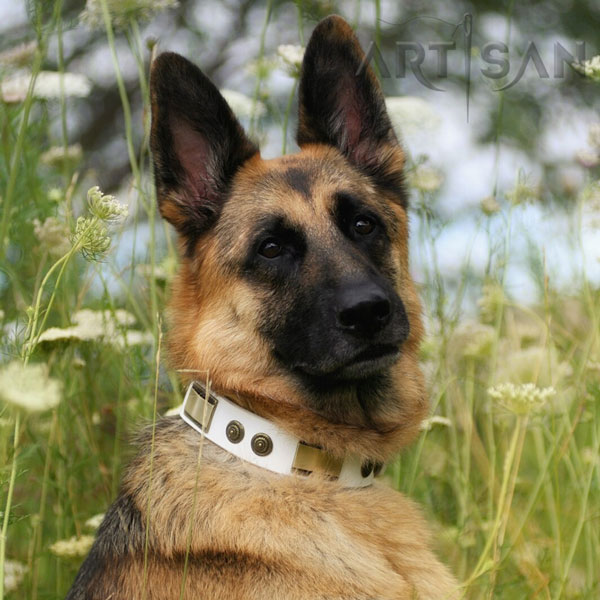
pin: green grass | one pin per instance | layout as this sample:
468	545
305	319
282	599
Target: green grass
511	488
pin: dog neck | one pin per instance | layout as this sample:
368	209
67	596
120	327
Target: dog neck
263	443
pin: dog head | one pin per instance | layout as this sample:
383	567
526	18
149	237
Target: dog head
294	292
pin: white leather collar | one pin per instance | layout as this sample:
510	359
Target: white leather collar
262	443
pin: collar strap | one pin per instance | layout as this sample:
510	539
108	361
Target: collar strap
264	444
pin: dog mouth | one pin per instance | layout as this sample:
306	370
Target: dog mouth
369	361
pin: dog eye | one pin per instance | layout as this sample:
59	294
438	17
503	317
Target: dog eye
363	225
270	248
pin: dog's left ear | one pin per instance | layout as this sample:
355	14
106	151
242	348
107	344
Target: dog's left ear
341	104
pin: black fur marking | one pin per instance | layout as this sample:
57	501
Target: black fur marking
120	534
300	180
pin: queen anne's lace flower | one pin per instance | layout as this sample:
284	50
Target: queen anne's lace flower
91	236
522	399
14	572
291	56
426	179
410	114
589	68
122	12
242	105
91	233
108	326
74	547
47	86
94	522
105	206
59	155
53	236
29	387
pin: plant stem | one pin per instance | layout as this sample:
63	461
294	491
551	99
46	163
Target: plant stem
9	496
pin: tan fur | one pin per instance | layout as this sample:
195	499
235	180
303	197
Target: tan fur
286	537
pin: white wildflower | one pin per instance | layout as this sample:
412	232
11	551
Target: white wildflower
489	206
91	237
521	399
587	158
429	423
91	233
29	387
410	114
47	86
589	68
122	12
594	136
426	179
18	56
94	522
74	547
53	236
242	105
55	335
14	572
133	337
57	156
90	325
95	324
291	57
105	206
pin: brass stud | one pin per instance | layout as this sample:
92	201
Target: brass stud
261	444
234	432
366	468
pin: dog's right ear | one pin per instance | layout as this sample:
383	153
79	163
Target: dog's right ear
197	145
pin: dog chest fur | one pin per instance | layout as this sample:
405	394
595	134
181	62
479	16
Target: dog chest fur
248	533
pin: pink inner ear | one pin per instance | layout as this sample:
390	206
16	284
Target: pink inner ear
350	125
194	155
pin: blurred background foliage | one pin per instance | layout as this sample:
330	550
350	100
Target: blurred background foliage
505	248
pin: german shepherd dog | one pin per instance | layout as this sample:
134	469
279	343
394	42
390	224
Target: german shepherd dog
295	300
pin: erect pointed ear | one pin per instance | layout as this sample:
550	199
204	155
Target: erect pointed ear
197	145
341	104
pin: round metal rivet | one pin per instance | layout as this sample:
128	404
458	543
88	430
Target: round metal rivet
261	444
234	432
367	468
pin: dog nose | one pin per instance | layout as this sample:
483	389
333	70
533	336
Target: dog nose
363	309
